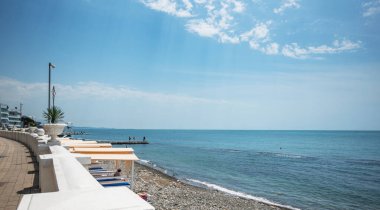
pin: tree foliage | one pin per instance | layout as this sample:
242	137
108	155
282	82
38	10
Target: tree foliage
53	114
27	121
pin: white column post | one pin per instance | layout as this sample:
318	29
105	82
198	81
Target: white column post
133	174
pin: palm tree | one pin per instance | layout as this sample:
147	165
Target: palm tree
54	114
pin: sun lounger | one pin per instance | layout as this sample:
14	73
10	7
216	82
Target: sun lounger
101	173
95	168
115	184
110	178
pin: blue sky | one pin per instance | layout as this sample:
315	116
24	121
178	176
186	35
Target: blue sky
195	64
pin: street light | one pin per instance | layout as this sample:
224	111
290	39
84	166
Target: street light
53	94
50	67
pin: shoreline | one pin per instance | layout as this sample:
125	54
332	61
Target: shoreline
211	187
168	192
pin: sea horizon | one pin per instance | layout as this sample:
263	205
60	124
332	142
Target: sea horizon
215	129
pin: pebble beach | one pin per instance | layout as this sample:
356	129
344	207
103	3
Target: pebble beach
166	192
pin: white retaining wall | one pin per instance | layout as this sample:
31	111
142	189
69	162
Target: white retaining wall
66	184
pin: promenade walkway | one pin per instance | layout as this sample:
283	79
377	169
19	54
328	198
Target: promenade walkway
18	173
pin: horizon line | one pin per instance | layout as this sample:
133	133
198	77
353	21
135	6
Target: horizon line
217	129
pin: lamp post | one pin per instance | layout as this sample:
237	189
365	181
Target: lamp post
21	124
51	66
53	94
21	109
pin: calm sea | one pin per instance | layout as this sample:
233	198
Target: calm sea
301	169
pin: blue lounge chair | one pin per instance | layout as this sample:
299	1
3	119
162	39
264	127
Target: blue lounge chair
101	173
110	178
95	168
115	184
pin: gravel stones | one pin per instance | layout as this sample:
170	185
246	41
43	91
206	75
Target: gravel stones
165	192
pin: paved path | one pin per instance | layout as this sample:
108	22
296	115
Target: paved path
18	173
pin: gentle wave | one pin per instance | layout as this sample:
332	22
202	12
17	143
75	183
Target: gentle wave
231	150
288	155
240	194
365	162
144	161
283	155
215	187
152	165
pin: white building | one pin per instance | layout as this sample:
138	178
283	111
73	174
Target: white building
4	115
15	118
10	118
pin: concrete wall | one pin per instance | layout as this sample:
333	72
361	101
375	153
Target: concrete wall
51	159
66	184
39	147
21	137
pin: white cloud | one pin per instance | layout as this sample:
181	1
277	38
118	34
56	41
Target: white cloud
259	35
260	31
15	90
225	38
287	4
239	6
221	20
261	100
218	21
170	7
202	28
371	8
295	51
200	1
271	49
188	4
254	45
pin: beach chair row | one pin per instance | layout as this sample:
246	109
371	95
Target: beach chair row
106	178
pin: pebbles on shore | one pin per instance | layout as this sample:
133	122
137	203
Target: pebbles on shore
165	192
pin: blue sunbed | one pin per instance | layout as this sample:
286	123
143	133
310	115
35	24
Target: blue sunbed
101	173
95	168
115	184
108	179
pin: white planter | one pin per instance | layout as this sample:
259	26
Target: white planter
40	131
32	129
53	130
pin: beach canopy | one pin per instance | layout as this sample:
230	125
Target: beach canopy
105	150
76	145
69	141
113	157
107	153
